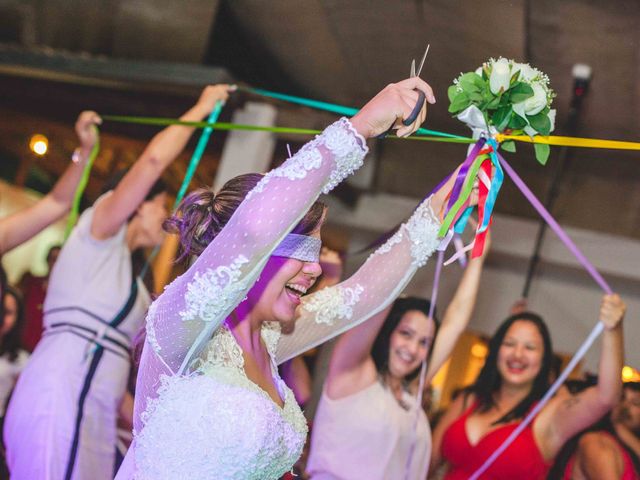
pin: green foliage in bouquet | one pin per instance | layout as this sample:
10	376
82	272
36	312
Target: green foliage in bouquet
513	98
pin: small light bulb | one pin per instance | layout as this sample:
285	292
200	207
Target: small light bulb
39	144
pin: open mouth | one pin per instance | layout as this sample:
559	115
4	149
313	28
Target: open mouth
405	358
516	367
295	291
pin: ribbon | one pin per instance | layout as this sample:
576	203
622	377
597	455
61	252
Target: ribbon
198	152
226	126
423	369
331	107
571	141
462	201
82	185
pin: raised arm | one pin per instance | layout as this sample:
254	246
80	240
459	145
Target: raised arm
113	211
194	305
564	417
368	293
455	410
21	226
458	313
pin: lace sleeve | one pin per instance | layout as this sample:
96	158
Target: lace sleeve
184	317
385	274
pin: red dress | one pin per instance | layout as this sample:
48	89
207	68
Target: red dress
628	472
522	460
34	292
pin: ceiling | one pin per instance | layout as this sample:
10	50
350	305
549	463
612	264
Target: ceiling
150	57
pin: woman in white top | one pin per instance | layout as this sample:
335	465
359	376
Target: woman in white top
61	421
368	423
209	401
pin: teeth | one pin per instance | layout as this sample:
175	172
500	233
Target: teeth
405	357
297	288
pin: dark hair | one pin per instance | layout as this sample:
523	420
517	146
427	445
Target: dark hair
381	345
633	386
52	249
489	380
112	182
3	290
10	343
202	215
604	424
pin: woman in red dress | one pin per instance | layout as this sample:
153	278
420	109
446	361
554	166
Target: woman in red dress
513	379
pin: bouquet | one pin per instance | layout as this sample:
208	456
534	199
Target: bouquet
504	96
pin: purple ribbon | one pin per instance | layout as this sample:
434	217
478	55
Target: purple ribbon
544	213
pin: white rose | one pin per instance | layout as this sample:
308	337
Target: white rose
552	119
479	71
526	72
534	104
500	76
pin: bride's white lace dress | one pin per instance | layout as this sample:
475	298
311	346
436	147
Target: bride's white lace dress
197	415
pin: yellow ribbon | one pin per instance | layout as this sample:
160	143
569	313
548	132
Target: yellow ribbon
571	141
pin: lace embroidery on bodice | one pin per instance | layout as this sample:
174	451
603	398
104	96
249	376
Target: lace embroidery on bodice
223	349
185	436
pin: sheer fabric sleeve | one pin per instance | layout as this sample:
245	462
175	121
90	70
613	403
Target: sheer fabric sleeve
183	318
385	274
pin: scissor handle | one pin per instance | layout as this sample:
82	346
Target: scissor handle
412	116
416	110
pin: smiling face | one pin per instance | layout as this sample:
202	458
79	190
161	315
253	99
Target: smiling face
521	353
277	293
410	343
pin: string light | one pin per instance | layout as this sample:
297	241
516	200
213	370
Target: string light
39	144
630	374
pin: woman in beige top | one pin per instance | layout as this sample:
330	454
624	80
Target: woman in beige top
366	425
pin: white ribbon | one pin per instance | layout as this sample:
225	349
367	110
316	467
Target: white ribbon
474	119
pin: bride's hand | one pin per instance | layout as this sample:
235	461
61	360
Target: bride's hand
391	106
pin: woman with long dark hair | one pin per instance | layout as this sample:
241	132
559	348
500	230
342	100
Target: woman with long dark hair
514	378
368	421
61	421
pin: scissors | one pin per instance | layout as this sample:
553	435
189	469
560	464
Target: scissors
421	95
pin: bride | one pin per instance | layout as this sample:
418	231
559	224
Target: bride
209	402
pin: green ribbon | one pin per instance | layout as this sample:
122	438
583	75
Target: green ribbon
82	185
198	152
464	195
225	126
331	107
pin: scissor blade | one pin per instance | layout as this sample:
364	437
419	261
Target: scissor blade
412	73
424	57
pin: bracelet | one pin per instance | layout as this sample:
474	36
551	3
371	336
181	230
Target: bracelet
75	156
